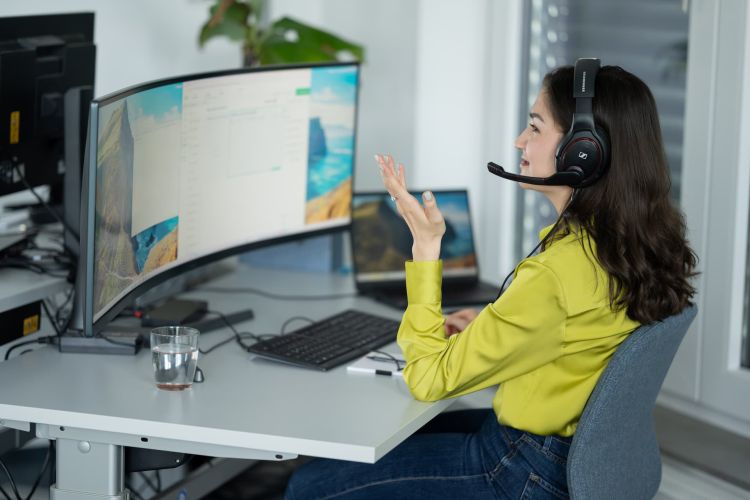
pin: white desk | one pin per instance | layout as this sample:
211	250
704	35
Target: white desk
93	405
19	287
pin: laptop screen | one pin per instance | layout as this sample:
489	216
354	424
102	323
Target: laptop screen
381	241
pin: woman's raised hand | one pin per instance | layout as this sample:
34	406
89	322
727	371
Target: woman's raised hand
426	223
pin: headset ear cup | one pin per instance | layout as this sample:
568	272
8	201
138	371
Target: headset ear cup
583	155
561	154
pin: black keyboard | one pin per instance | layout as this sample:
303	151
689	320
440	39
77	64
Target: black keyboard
330	342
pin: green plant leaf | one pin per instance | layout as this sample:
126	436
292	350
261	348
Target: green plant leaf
284	53
233	24
289	41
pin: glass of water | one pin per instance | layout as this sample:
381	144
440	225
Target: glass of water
174	354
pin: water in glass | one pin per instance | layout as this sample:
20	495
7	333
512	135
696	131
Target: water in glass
174	365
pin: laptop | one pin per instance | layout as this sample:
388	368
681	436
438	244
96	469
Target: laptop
381	243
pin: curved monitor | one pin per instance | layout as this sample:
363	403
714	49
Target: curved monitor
188	170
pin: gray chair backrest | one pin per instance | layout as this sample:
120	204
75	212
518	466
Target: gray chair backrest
614	453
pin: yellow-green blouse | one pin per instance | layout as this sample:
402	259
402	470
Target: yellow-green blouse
545	341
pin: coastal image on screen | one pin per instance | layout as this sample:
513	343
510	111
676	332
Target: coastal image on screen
333	92
136	220
383	241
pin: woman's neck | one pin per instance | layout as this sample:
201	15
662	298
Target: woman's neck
560	198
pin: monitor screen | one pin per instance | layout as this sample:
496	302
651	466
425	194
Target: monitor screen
185	171
381	241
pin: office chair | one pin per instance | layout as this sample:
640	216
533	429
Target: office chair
614	453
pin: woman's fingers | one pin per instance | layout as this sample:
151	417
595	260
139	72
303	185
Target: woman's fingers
431	209
454	325
402	175
469	313
393	180
457	322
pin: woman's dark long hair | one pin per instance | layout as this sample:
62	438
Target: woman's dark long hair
639	234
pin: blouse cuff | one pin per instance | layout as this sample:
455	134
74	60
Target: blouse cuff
423	281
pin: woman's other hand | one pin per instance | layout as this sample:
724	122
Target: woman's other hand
456	322
426	223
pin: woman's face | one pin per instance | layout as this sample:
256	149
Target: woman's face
538	143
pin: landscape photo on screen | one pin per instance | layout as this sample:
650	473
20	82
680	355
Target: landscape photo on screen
333	94
136	219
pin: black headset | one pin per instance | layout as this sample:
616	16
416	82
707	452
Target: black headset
582	157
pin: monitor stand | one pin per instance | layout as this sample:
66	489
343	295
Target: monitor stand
114	342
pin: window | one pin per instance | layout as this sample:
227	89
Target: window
646	37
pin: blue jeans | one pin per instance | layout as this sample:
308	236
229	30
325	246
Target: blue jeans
462	454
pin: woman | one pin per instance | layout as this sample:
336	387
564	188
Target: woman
616	258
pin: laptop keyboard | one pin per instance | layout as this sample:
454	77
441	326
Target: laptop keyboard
330	342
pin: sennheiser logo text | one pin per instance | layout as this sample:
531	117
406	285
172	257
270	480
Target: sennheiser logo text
583	83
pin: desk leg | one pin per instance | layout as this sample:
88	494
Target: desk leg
90	470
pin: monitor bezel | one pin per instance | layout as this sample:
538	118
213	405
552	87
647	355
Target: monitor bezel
369	285
92	328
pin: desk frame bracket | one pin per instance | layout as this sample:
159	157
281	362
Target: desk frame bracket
88	470
47	431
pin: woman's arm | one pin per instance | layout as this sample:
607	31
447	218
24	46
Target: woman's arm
520	332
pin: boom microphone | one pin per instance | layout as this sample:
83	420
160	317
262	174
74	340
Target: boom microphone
557	179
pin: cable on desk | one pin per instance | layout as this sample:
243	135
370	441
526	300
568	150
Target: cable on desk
216	346
237	335
295	318
49	339
271	295
245	335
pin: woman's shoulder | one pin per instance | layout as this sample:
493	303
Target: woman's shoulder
572	247
572	259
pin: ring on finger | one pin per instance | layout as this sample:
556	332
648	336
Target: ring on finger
394	198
